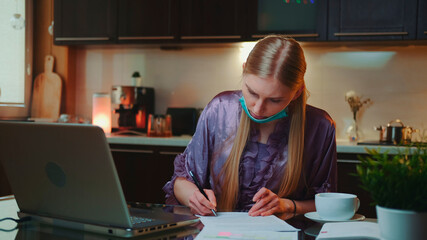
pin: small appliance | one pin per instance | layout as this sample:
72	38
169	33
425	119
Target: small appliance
131	105
184	120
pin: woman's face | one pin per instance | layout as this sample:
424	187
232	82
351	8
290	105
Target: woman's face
266	96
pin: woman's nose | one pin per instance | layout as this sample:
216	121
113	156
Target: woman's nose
258	107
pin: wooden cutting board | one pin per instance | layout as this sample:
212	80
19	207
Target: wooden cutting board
47	88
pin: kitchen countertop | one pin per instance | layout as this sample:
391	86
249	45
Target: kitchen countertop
176	141
343	146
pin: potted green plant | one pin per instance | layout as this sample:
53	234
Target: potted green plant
397	184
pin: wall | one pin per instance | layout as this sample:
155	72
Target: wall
392	76
43	45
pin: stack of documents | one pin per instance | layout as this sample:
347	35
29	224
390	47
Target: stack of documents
239	225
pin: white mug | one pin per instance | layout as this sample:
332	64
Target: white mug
336	206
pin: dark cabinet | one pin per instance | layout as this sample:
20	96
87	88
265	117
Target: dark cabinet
348	182
147	20
302	20
83	21
188	21
183	20
422	19
4	183
372	20
212	19
143	170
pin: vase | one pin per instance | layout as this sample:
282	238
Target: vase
401	224
353	132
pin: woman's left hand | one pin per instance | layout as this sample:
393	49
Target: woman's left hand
268	203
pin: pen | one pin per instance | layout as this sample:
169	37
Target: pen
201	189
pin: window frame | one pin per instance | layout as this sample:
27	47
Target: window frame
23	112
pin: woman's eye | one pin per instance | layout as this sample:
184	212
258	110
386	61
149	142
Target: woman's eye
275	100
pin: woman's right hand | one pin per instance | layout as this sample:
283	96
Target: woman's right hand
188	194
200	205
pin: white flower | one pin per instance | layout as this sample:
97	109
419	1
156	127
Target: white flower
351	95
355	102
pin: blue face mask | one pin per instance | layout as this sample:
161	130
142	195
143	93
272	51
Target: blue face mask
283	113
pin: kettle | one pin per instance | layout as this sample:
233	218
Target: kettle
396	132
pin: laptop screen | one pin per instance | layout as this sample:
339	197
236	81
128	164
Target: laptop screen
64	171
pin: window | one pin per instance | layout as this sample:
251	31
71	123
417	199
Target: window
15	59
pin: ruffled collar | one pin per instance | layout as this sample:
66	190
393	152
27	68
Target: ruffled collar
276	144
276	138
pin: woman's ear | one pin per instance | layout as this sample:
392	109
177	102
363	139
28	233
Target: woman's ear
243	65
298	93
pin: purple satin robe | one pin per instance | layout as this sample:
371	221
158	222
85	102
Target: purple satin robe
213	139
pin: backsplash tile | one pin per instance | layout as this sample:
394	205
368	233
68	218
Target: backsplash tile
393	77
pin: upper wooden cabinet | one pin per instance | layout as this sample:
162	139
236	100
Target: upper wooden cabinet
351	20
188	21
203	20
422	19
83	21
303	20
147	20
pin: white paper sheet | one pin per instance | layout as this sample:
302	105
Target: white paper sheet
239	225
212	233
242	221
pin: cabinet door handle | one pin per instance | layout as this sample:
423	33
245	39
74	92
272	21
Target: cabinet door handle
169	153
348	161
425	32
147	38
369	34
299	35
132	150
212	37
82	38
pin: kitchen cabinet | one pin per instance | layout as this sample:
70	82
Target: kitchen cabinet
303	20
147	21
144	169
355	20
194	21
207	20
4	183
349	183
422	19
84	22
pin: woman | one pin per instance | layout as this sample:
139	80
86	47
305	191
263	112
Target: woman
260	149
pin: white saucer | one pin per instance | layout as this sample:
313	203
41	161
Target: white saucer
315	217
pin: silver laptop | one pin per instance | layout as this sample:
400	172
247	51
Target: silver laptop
64	174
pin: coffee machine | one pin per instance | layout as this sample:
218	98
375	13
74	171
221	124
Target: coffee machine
131	105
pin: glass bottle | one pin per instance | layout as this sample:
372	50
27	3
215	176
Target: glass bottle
353	131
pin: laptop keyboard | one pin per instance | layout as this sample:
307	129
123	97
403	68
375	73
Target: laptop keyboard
138	220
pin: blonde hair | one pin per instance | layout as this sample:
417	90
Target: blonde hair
283	59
